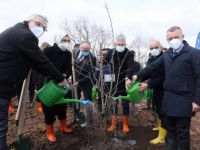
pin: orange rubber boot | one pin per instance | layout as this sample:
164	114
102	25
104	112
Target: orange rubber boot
125	124
11	109
113	124
50	133
39	106
63	127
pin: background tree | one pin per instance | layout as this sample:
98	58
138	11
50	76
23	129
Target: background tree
81	29
140	47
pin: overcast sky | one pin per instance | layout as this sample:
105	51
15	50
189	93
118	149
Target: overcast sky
146	18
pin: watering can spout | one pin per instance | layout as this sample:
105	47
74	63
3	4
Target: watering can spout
84	102
51	94
124	97
133	95
63	101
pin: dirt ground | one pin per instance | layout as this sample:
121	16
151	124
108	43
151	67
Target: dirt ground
95	137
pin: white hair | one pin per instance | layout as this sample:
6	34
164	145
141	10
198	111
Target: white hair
120	37
36	15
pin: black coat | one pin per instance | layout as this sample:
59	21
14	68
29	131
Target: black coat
61	59
122	65
19	52
85	69
156	83
157	76
134	69
182	80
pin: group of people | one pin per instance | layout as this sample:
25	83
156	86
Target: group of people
178	71
173	75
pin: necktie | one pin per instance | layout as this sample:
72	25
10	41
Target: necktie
175	53
80	58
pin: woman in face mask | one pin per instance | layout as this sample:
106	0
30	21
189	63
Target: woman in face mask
60	56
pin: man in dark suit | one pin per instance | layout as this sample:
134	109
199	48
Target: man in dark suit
19	52
181	63
84	68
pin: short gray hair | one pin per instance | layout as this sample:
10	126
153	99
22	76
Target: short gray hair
120	37
174	28
36	15
87	42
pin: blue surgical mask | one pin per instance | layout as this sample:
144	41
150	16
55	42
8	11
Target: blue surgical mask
85	53
155	52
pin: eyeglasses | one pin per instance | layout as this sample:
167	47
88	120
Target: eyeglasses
154	48
67	41
39	24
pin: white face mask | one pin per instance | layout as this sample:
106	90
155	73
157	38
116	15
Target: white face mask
155	52
120	48
175	43
64	46
37	31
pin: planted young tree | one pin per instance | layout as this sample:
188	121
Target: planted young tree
80	30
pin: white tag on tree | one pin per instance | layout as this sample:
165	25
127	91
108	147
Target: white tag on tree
109	77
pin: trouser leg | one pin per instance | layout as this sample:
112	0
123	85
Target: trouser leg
183	131
4	103
171	140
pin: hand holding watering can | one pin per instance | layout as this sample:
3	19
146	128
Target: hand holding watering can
51	94
63	83
134	93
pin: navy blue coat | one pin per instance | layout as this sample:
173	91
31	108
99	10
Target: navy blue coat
182	80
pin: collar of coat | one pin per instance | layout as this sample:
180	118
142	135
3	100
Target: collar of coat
56	47
185	49
24	24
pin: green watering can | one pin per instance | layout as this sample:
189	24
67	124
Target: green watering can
134	95
94	93
51	94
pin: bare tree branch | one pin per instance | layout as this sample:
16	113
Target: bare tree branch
111	24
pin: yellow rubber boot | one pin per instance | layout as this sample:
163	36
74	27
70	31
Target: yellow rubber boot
113	124
63	127
158	123
125	124
50	133
161	136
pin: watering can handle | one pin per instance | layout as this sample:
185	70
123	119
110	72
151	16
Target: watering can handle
132	82
46	80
